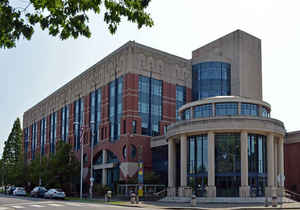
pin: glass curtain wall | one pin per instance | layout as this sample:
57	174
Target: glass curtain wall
43	129
33	139
53	119
115	108
228	164
150	105
95	114
65	123
257	164
249	109
26	139
225	109
210	79
180	99
203	111
198	163
78	121
113	174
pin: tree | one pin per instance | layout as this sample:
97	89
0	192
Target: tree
63	168
12	151
66	18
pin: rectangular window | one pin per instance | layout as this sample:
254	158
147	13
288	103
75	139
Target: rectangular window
203	111
150	105
124	126
78	121
115	107
180	99
223	109
134	126
249	109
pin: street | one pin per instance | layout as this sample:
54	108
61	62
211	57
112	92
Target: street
12	202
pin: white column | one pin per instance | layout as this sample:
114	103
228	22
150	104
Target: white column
171	163
104	171
211	189
244	189
280	157
270	157
183	160
275	163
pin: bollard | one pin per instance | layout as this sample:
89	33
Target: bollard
193	201
108	195
133	198
105	198
274	201
266	202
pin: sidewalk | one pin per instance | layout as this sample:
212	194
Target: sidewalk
205	206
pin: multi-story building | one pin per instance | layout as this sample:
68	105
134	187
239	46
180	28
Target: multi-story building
291	154
200	123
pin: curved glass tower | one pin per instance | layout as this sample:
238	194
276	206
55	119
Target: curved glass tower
210	79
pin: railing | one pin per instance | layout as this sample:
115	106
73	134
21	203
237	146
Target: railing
150	191
292	195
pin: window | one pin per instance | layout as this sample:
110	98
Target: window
223	109
186	114
53	122
133	151
180	99
210	79
43	128
64	123
115	107
134	126
78	121
249	109
198	154
95	114
203	111
124	152
124	126
265	112
150	105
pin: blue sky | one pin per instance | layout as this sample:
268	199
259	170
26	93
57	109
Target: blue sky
36	68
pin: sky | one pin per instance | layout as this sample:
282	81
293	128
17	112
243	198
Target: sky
36	68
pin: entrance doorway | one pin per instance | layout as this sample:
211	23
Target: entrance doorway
228	186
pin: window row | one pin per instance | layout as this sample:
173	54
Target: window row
224	109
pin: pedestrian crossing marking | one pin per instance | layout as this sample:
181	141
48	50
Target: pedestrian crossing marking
18	207
37	206
74	204
54	204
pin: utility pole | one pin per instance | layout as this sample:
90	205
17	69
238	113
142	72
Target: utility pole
92	155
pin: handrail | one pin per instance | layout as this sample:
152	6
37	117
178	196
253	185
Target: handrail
160	192
293	195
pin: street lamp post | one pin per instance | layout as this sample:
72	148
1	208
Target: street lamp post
92	155
81	155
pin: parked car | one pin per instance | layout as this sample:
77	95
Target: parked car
19	191
55	193
10	190
38	192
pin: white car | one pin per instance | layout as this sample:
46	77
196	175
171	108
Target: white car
19	191
55	193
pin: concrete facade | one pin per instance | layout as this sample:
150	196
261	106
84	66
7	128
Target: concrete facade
243	125
243	52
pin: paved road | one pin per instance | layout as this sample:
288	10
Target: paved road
23	203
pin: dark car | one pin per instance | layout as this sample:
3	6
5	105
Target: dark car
38	192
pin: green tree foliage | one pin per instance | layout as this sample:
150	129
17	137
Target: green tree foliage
66	18
59	170
12	152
